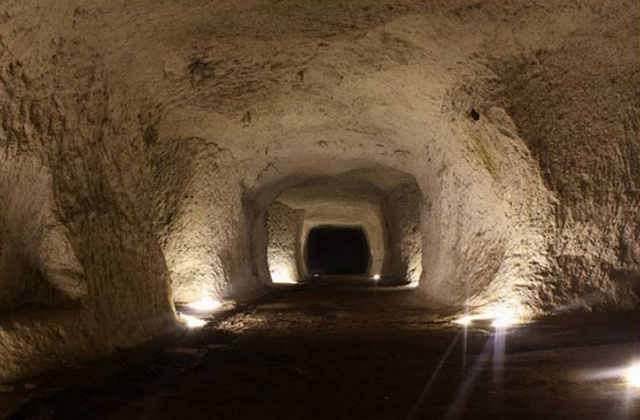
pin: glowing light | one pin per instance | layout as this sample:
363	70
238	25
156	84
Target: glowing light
192	321
283	274
207	304
501	318
503	321
465	320
376	277
632	375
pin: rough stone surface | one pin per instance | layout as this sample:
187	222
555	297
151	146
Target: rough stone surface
404	206
142	143
283	224
38	262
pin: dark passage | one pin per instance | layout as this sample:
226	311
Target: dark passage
336	250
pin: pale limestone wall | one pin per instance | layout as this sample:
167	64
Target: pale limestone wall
76	195
404	207
199	222
38	265
284	225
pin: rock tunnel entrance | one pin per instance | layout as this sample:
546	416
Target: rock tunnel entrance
335	250
375	208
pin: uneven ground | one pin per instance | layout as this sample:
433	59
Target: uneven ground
325	353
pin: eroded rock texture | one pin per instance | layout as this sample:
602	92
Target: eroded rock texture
142	143
284	225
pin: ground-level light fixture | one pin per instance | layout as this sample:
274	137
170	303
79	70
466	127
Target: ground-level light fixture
283	274
192	321
504	321
465	321
376	277
632	375
206	304
499	318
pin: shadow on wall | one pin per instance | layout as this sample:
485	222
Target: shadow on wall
381	202
38	268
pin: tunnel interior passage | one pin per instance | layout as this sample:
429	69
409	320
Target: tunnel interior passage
364	223
337	251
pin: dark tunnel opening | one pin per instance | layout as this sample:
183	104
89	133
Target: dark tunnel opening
337	251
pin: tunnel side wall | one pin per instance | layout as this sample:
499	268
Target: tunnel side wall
75	181
284	225
404	205
200	229
582	127
38	268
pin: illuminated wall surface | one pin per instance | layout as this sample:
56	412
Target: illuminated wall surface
161	152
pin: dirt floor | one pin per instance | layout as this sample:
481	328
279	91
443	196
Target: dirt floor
322	353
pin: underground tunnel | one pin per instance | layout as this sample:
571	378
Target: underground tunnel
337	250
346	225
397	209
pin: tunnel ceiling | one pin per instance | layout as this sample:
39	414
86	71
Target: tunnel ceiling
146	141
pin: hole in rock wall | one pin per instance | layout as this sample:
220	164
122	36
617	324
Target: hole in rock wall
337	250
